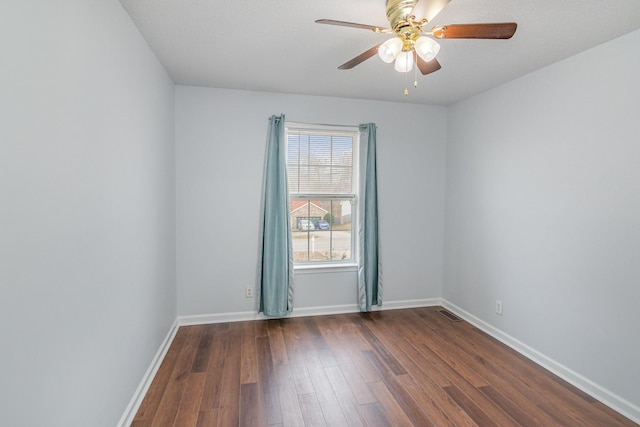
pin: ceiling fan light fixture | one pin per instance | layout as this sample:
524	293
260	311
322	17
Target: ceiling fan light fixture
426	48
414	44
389	50
404	62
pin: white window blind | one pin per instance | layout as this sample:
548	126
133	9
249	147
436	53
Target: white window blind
320	163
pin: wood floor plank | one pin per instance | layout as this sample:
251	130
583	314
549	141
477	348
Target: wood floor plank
442	347
404	340
411	367
356	382
215	368
279	353
260	329
341	342
291	339
267	382
351	324
208	418
389	406
295	355
613	414
289	403
331	409
250	398
248	355
311	411
473	409
400	394
302	379
348	402
432	406
189	408
201	361
320	345
168	407
379	347
304	337
229	410
513	410
374	417
352	343
151	401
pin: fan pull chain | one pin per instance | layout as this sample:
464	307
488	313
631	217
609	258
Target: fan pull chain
406	91
415	75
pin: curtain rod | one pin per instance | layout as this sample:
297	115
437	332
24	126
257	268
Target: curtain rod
320	124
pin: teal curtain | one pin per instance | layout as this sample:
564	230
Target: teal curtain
369	265
276	268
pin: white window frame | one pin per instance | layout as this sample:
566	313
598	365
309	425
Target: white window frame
331	130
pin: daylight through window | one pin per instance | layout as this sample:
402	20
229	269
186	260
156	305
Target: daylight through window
322	171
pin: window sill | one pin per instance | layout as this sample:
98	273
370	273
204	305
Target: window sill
325	268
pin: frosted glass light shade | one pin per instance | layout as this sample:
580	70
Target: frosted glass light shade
426	48
390	49
404	62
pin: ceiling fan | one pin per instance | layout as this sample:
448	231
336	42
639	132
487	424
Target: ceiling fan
411	43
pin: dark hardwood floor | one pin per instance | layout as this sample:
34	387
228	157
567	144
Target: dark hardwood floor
409	367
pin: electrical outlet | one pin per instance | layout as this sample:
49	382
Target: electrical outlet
499	307
248	292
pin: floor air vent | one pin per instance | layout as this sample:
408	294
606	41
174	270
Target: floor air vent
450	315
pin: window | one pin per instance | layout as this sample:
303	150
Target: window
322	173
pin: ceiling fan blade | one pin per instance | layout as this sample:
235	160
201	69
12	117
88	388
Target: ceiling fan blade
428	67
475	31
428	9
360	58
354	25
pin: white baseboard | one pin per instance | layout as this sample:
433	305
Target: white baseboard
302	312
147	379
412	303
605	396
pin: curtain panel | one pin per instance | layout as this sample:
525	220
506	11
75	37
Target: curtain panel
369	263
276	266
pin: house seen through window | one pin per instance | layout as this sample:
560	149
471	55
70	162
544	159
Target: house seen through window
322	171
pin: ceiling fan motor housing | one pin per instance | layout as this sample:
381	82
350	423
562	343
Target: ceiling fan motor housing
399	10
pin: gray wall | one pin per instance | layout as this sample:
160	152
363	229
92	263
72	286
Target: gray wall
220	146
543	208
87	223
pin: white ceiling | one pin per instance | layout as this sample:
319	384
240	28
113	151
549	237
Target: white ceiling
276	45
